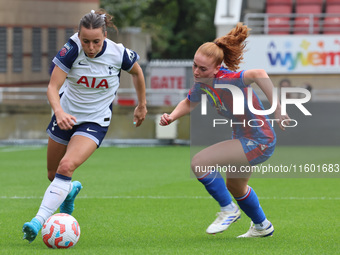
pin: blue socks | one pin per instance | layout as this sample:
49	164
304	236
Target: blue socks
215	185
249	203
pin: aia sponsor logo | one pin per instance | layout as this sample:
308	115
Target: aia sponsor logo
93	82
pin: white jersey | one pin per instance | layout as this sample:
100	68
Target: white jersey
92	83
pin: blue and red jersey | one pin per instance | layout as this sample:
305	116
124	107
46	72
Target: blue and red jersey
256	128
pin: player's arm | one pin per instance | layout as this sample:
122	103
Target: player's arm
65	121
139	83
261	78
183	108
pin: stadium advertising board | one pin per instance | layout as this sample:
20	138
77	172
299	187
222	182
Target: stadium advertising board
293	54
162	78
166	79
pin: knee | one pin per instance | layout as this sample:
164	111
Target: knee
237	189
231	186
196	165
66	167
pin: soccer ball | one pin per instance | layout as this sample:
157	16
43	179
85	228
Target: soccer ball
60	231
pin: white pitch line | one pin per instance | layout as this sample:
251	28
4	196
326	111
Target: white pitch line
16	149
174	197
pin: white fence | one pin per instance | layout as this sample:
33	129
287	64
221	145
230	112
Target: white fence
21	93
128	97
125	97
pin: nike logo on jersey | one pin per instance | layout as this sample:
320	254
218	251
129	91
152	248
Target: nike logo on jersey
54	192
82	63
263	147
91	130
250	143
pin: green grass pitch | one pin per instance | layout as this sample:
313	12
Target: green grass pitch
143	200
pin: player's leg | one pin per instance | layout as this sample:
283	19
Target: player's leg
78	151
219	155
88	147
55	152
249	203
86	139
237	184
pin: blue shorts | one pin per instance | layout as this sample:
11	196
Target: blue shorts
88	129
257	152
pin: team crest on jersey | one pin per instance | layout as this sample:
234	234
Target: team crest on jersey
67	47
110	70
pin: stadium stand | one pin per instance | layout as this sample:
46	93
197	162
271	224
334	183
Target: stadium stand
308	2
278	18
330	2
308	22
295	17
331	24
279	2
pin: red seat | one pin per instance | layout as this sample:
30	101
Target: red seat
308	8
302	25
333	8
302	22
331	25
279	24
298	2
280	9
280	2
332	2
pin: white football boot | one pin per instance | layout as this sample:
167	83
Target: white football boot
223	221
253	232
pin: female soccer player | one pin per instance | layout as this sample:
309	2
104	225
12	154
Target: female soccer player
249	145
88	67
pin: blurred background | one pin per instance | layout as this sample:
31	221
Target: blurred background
296	41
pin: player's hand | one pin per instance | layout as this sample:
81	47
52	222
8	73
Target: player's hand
166	119
279	118
65	121
139	115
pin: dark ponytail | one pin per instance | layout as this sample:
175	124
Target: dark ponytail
97	19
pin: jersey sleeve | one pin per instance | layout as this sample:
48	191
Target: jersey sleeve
66	56
195	93
129	58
